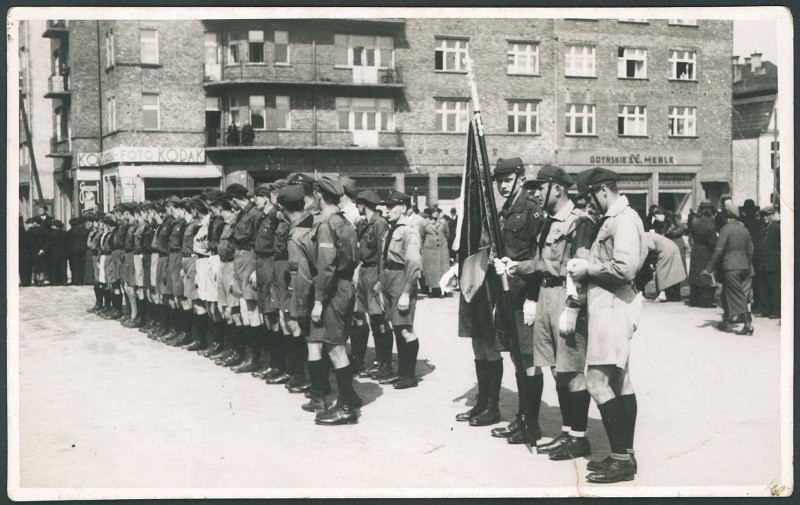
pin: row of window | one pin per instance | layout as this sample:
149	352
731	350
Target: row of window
523	58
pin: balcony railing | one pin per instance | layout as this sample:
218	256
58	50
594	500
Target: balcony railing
60	147
308	139
57	87
299	72
56	28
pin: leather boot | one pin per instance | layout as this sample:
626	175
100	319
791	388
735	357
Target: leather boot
508	430
199	323
338	414
237	349
482	398
298	383
223	331
317	392
265	370
212	337
251	353
529	432
287	360
317	402
491	414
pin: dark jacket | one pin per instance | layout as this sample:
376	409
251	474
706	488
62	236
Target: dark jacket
771	250
734	249
76	237
756	229
704	240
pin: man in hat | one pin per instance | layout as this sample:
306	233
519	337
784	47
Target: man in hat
154	219
559	341
76	239
207	280
57	253
164	290
348	202
195	265
399	269
272	343
771	249
520	222
334	299
368	303
128	268
704	239
614	309
244	264
178	332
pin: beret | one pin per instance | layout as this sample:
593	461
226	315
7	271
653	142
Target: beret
213	194
330	184
147	205
432	208
236	190
199	204
173	200
550	173
349	186
277	185
109	219
768	210
130	206
705	204
300	178
186	203
220	202
369	197
595	177
508	166
263	189
396	197
290	194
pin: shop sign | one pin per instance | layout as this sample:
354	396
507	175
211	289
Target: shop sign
620	158
154	155
89	194
86	160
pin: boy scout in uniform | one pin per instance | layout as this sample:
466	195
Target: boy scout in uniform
164	286
114	268
137	284
146	303
177	331
127	211
614	309
334	299
370	231
566	234
195	250
399	269
216	225
158	315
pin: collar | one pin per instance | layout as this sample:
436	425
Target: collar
518	201
618	206
307	221
562	214
403	221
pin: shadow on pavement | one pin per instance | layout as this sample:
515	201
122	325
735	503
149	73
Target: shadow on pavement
368	390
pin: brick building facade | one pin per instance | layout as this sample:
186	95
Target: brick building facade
387	102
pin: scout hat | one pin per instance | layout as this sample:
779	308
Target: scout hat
508	166
368	197
705	204
594	178
236	190
330	184
550	173
263	189
213	194
768	210
396	198
290	194
349	186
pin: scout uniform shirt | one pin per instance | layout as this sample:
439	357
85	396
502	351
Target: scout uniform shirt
302	266
337	251
370	233
176	235
266	227
215	227
520	223
163	235
402	250
130	236
200	238
244	229
138	237
188	242
225	246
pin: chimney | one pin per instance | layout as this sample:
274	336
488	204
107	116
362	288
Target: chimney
747	62
756	59
736	67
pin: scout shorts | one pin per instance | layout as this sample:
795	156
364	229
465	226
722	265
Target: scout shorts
337	316
392	283
153	273
138	270
225	297
206	283
265	276
210	288
612	322
367	300
96	262
280	287
129	270
244	264
189	266
164	286
175	266
101	269
549	348
113	266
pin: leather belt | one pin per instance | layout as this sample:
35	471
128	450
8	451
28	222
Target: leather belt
244	248
368	264
553	282
194	255
264	255
394	266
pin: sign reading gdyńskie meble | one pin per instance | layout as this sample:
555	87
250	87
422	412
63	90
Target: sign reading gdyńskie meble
607	157
145	155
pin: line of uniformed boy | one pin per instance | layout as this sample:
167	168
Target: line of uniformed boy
265	283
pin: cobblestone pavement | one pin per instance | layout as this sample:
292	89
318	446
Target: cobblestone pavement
102	407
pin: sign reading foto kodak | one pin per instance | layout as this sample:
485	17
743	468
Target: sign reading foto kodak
153	155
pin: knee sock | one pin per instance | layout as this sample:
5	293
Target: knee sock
290	352
412	350
143	310
537	386
344	383
579	411
197	327
386	344
278	357
614	420
301	353
318	384
629	407
117	302
565	405
98	296
187	321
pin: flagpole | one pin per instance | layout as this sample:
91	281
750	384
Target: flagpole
503	307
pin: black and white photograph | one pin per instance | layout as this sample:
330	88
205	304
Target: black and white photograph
380	252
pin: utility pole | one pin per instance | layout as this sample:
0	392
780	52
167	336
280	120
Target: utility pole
29	143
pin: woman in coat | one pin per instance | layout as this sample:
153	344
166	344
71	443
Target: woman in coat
669	267
675	230
25	272
704	238
37	236
435	250
733	257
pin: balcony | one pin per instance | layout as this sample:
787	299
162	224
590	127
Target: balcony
56	28
58	87
335	140
302	73
60	148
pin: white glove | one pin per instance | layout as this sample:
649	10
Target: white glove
253	279
529	312
567	322
505	266
444	282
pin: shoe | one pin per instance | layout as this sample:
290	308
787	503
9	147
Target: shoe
744	331
554	444
576	447
234	359
282	378
222	352
310	392
95	309
113	315
518	437
317	403
336	415
486	418
384	371
364	374
262	372
506	431
248	364
136	323
405	383
601	464
466	416
390	380
615	471
300	387
197	345
271	372
181	340
208	351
